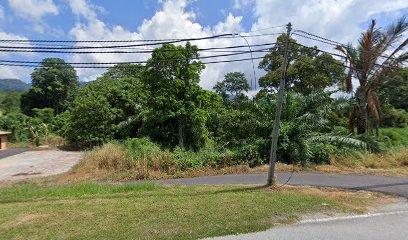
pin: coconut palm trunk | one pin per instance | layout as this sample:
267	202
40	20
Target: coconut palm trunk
363	113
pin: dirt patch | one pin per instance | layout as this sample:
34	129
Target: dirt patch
358	200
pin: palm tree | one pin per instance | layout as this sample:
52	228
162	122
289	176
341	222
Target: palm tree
371	64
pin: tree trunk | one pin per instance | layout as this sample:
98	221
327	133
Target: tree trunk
377	130
362	117
181	134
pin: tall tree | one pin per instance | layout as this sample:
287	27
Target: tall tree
308	70
178	103
54	85
371	64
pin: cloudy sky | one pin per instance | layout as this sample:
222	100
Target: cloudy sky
340	20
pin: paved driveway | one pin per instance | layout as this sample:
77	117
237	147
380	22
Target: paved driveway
37	164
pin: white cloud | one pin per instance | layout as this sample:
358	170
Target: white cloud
337	20
15	72
242	4
33	9
171	21
5	35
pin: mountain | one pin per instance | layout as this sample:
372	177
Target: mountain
7	84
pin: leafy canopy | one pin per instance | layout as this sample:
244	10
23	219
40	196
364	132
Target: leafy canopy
308	69
54	85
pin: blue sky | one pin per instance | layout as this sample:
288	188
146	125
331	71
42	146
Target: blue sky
151	19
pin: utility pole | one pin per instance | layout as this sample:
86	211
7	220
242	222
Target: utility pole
281	93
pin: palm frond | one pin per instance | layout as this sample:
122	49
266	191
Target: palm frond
341	141
374	106
349	58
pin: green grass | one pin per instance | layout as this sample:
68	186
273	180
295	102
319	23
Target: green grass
396	137
96	211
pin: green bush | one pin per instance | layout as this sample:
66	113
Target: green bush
141	147
320	153
190	160
394	137
248	154
395	118
144	150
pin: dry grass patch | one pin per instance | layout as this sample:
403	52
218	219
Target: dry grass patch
394	163
360	201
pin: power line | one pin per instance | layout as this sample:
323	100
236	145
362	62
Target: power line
122	46
154	41
130	52
119	66
335	43
267	28
136	62
345	66
339	55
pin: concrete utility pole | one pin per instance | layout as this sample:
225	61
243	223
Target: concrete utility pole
281	93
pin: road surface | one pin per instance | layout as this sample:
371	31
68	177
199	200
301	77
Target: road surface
377	226
12	151
389	185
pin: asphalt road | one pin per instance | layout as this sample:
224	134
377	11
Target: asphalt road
12	151
390	185
390	226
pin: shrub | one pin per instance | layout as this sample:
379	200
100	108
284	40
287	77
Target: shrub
107	157
144	150
53	140
395	118
395	137
247	154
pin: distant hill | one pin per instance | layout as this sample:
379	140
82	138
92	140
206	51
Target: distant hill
17	85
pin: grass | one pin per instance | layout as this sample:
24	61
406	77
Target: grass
396	137
18	144
393	163
136	159
96	211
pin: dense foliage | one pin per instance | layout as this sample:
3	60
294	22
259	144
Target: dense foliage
158	115
54	85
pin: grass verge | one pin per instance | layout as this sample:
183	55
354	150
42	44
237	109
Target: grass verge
95	211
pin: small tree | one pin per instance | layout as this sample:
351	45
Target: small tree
368	64
234	84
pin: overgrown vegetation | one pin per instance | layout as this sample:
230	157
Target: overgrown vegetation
95	211
144	120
